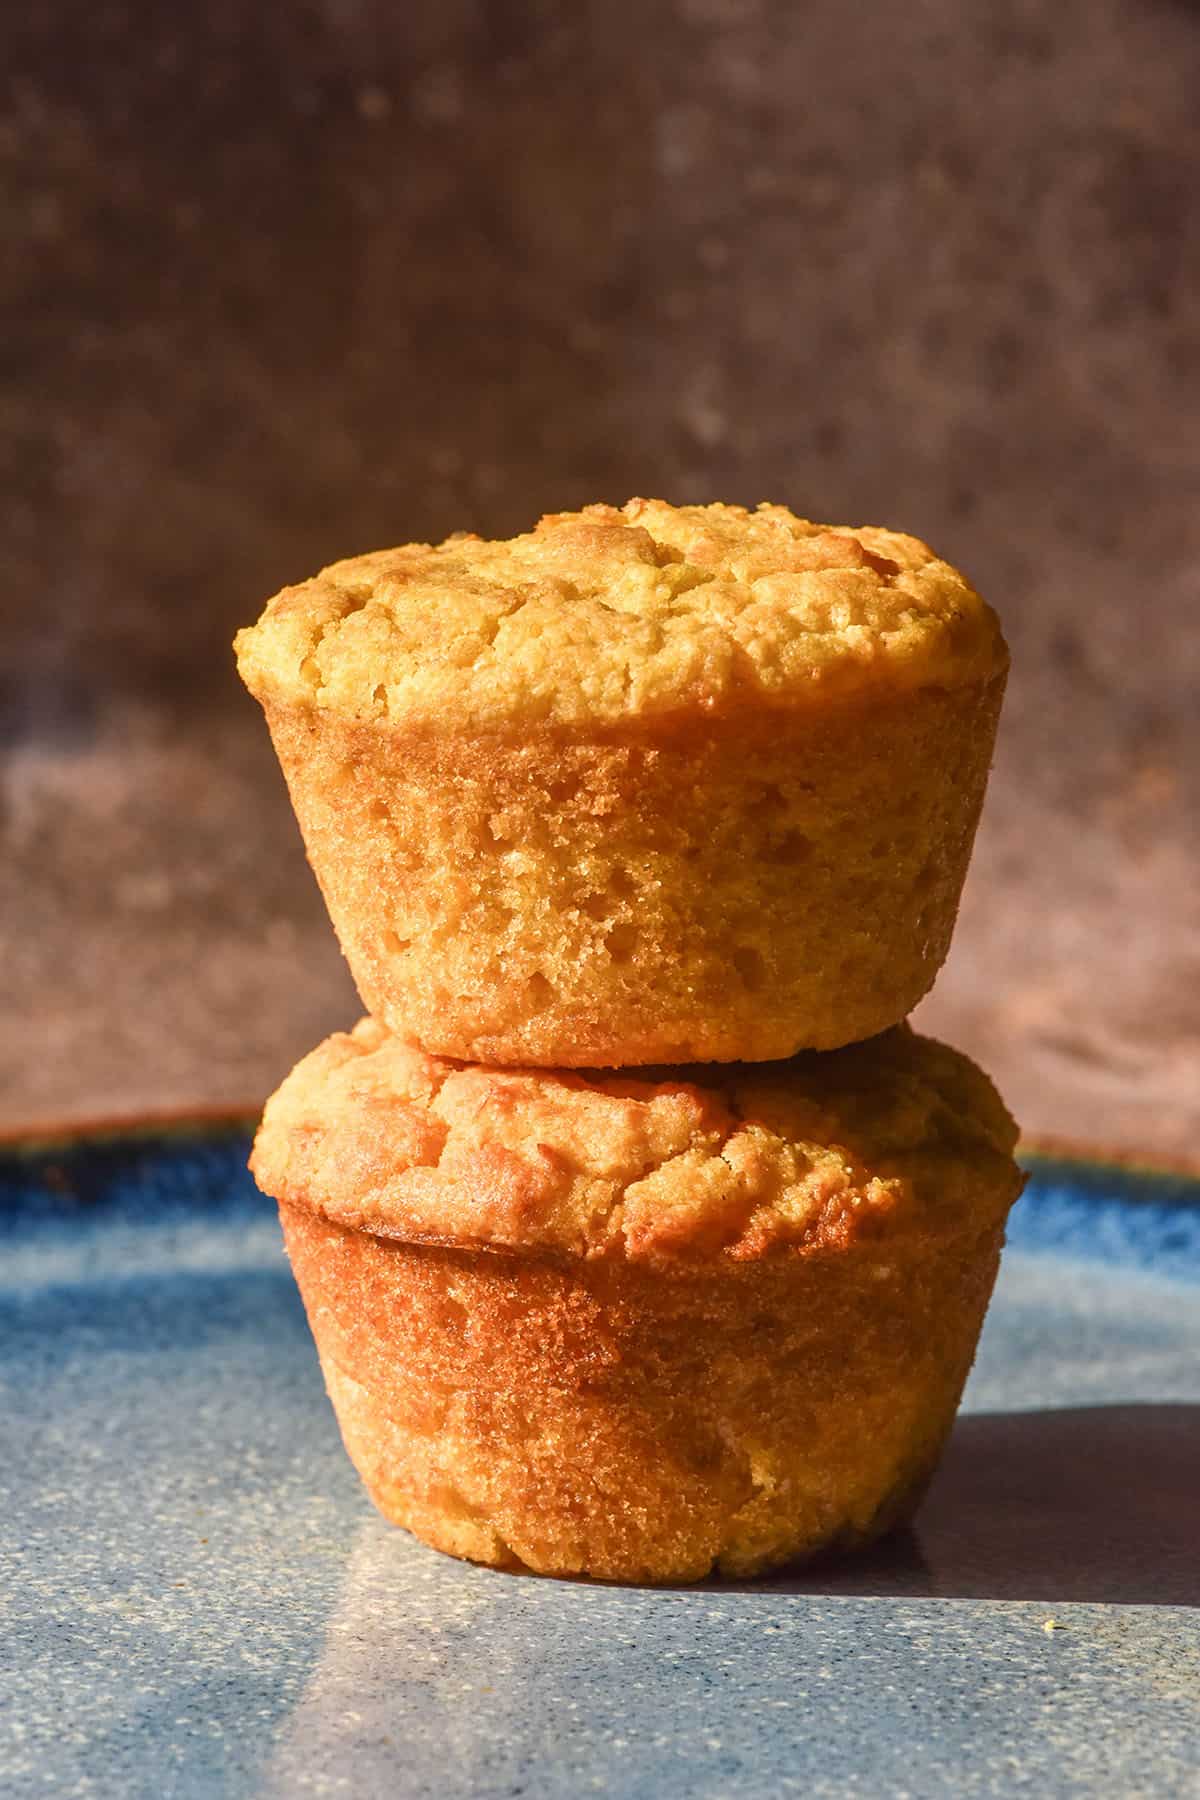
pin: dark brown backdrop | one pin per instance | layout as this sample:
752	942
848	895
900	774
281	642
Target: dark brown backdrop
288	282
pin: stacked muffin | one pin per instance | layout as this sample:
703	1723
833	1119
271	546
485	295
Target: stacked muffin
624	1254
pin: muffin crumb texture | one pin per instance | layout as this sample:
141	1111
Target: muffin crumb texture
611	614
892	1138
596	1419
724	891
641	1328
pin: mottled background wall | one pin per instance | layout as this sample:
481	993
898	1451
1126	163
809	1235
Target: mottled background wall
285	282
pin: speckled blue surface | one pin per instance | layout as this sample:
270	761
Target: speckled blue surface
198	1600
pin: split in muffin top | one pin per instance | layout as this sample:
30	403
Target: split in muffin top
611	616
892	1144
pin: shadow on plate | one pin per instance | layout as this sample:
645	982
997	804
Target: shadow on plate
438	1677
1089	1503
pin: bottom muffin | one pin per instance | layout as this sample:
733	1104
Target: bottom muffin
642	1329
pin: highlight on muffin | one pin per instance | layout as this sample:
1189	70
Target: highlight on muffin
647	784
642	1326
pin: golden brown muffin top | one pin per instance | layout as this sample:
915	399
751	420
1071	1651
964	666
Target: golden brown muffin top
896	1138
613	614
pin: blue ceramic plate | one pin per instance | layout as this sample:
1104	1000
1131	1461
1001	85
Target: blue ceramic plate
200	1601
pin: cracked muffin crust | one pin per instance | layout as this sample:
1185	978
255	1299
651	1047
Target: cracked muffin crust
648	784
885	1138
641	1328
615	614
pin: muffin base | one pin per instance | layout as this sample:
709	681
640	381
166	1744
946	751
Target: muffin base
592	1418
728	890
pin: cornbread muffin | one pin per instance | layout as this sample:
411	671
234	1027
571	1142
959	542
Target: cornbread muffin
648	784
642	1328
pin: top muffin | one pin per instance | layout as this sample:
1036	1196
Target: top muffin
648	784
617	614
